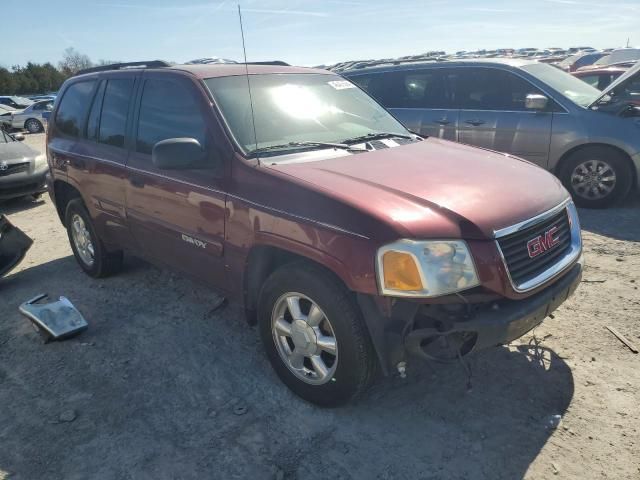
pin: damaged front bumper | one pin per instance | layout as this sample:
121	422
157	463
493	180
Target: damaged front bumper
13	245
445	332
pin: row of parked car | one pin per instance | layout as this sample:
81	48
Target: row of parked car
28	113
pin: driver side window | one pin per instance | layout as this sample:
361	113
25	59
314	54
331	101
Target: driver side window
168	110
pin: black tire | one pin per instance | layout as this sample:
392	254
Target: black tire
105	262
614	159
33	125
356	361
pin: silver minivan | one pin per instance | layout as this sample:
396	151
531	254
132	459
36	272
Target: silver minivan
588	138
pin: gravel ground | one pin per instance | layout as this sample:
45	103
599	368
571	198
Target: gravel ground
161	385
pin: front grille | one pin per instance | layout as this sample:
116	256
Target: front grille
516	253
14	168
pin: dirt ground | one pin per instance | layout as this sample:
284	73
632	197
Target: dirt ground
161	386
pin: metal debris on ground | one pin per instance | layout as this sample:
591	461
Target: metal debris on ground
622	338
55	320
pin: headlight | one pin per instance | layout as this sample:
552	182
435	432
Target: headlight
409	268
41	161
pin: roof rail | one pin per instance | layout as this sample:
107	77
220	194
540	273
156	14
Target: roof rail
121	66
377	63
270	62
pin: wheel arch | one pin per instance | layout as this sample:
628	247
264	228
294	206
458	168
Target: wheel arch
263	260
64	192
565	156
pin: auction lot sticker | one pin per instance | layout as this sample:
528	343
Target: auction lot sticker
341	84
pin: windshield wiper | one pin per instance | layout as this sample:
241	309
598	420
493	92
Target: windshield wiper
376	135
295	145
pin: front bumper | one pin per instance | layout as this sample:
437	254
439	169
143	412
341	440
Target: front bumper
22	184
443	334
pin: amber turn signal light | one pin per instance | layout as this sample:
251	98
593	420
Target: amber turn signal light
401	272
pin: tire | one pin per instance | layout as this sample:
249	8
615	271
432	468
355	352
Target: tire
583	173
103	263
33	126
351	370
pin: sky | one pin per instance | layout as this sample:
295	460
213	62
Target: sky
304	32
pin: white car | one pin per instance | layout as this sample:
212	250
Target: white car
30	118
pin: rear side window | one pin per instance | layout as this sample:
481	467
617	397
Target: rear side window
417	89
115	105
94	114
73	108
489	89
168	110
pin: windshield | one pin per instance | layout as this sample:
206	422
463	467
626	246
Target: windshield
290	108
571	87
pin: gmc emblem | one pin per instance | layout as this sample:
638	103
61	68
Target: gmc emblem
542	243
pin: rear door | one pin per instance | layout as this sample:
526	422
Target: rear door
177	216
418	98
493	115
89	143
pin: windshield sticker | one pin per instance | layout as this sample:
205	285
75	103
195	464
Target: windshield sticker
341	84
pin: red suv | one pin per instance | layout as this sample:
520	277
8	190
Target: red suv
353	243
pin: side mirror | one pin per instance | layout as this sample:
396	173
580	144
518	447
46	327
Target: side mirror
18	136
178	153
535	101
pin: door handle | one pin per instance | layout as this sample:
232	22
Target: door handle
137	182
442	121
474	122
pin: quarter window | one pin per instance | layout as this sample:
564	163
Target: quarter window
168	110
113	120
73	108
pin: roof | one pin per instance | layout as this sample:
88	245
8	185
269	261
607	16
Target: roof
511	62
231	69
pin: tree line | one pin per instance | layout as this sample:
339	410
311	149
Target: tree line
35	78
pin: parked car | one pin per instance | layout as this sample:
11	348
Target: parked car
600	78
619	55
22	169
527	109
31	117
15	102
5	116
352	242
582	59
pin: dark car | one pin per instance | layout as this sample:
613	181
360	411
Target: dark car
523	108
352	243
22	169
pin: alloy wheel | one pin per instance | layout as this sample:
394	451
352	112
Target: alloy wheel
82	240
304	338
593	179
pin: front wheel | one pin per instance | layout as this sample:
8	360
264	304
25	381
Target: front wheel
597	177
314	335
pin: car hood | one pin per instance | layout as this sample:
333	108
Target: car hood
434	188
633	72
16	151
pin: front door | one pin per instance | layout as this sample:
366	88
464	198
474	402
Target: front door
176	216
493	115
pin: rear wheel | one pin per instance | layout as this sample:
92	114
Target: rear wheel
87	247
33	126
597	177
314	335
